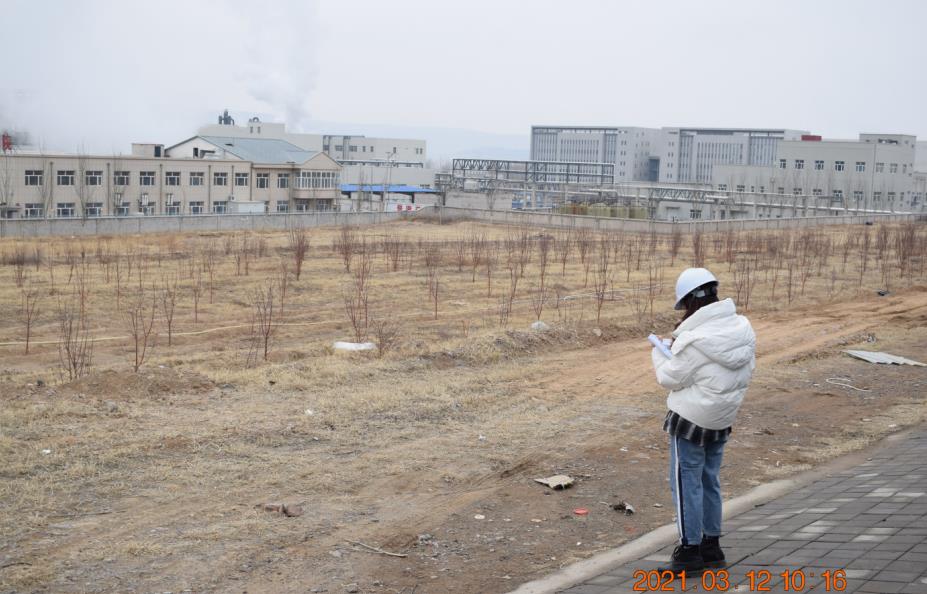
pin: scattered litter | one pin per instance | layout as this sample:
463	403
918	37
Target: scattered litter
795	425
290	510
623	449
375	549
540	326
537	520
842	381
354	346
879	357
309	412
597	332
556	482
581	511
883	292
658	505
482	438
479	517
624	506
893	425
46	452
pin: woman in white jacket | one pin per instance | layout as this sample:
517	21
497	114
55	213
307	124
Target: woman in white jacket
711	365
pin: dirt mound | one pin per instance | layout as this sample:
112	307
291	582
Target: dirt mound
147	383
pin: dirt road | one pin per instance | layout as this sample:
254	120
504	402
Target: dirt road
446	481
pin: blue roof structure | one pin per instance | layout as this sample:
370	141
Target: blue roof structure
261	150
395	189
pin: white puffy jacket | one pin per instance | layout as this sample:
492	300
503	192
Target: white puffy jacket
713	361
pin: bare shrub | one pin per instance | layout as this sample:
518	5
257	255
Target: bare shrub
30	311
432	277
385	335
299	244
674	244
75	345
698	248
139	321
346	245
169	291
601	281
262	322
356	296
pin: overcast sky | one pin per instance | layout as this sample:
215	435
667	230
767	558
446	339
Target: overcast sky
105	73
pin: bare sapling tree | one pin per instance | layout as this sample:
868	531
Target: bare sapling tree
169	291
675	243
433	278
698	248
563	248
262	322
346	245
601	280
356	295
299	244
283	281
490	260
460	253
385	335
477	246
196	289
30	311
75	345
138	318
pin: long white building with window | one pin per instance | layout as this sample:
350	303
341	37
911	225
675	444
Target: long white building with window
665	155
875	172
197	176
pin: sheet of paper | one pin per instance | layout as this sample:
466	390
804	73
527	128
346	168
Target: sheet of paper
658	344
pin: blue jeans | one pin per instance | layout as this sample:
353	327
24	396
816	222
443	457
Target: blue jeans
696	488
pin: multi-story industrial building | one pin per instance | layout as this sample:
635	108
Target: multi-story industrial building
197	176
689	155
877	171
341	147
667	155
628	148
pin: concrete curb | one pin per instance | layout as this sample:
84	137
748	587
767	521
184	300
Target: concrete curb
594	566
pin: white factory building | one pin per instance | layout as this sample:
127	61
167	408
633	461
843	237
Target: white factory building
667	155
874	172
365	159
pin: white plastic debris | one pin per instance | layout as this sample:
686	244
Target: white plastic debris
46	452
540	326
556	482
354	346
479	517
885	358
309	412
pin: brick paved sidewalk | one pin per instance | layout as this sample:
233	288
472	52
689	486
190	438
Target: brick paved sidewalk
870	521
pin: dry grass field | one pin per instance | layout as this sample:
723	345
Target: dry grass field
174	384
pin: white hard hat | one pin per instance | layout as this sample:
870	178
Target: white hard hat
691	279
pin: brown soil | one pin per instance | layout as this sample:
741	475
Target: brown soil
167	502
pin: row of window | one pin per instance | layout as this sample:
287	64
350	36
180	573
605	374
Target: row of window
837	194
841	166
95	209
800	191
306	179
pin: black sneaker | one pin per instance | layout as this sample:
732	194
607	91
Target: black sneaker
686	558
711	551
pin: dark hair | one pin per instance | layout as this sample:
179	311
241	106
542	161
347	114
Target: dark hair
699	298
